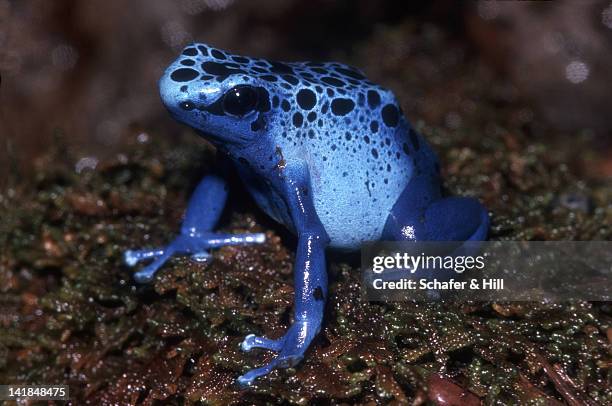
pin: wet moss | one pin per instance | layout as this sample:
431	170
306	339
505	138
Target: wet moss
70	312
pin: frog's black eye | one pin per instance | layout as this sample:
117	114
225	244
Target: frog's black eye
187	105
240	100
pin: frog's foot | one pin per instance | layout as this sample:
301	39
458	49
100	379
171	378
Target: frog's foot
252	341
194	244
291	348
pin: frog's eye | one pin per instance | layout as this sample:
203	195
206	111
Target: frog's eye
240	100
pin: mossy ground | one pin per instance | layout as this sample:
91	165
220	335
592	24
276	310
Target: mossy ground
70	312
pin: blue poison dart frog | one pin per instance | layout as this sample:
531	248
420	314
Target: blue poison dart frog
323	151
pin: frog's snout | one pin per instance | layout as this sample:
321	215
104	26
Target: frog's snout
175	96
169	91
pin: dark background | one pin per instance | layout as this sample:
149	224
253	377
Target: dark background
85	72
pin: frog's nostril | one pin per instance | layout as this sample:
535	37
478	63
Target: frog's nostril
187	105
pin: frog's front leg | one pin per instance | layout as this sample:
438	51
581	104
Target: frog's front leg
310	280
203	211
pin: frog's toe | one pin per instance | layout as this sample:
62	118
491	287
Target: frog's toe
282	361
290	348
143	276
252	341
132	257
147	273
217	240
161	255
203	256
248	378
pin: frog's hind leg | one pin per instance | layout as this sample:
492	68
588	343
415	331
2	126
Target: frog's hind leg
457	219
421	214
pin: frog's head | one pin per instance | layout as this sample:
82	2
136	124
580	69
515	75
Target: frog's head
216	93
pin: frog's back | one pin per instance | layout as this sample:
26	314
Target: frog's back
361	150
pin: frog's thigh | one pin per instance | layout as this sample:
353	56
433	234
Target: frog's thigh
421	214
457	219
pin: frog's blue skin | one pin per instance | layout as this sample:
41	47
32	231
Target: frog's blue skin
323	151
